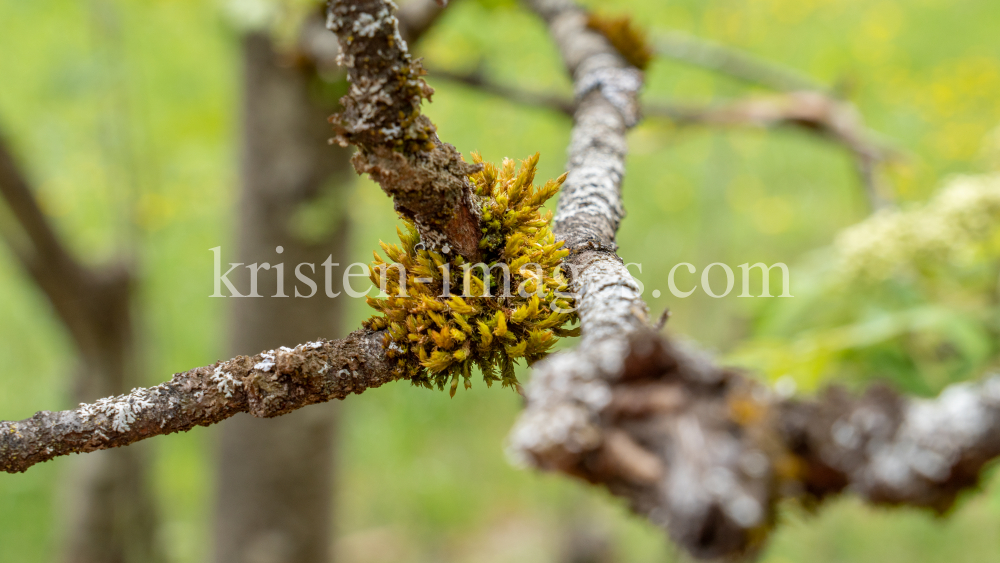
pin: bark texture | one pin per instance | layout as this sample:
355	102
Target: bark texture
397	145
272	383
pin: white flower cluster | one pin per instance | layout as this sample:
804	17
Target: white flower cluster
121	410
963	215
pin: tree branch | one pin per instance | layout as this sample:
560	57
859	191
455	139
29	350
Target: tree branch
269	384
93	304
834	120
698	449
399	147
712	56
480	81
812	111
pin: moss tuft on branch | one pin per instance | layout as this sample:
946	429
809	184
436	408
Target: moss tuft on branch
443	315
630	41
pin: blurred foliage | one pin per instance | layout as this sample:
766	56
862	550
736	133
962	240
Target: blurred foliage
126	114
909	295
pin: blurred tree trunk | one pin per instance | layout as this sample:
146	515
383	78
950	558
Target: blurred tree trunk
275	476
111	510
110	513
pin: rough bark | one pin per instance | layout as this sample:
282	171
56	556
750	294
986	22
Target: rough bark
272	383
111	513
397	145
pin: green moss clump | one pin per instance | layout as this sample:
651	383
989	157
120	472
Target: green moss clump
447	320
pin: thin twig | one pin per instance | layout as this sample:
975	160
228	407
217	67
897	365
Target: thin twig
834	120
480	81
715	57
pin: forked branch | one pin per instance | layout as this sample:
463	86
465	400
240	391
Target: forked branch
700	450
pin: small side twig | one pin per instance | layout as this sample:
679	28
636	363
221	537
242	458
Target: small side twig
836	120
688	49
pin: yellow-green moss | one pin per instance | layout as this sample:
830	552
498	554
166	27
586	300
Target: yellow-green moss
438	336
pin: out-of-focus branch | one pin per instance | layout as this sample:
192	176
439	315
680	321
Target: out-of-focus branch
707	453
480	81
43	255
269	384
833	119
807	104
398	146
85	299
712	56
698	449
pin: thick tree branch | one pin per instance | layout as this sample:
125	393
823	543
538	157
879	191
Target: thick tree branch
399	147
698	449
269	384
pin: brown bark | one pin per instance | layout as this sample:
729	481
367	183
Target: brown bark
398	146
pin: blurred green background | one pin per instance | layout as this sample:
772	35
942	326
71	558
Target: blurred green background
126	114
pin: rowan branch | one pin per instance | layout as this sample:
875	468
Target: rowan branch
398	147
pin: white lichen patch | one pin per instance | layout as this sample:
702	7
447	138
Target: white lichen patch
121	410
225	382
267	363
366	25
